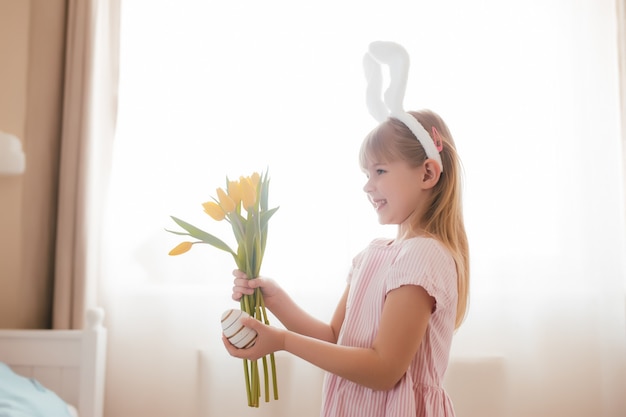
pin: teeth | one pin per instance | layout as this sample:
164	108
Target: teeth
379	203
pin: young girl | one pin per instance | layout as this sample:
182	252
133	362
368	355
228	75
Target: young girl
386	348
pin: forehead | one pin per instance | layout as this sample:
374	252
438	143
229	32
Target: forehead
370	162
396	165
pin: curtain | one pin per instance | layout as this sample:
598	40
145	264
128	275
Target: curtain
530	91
42	136
621	43
89	114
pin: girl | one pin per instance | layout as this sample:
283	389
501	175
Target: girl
386	348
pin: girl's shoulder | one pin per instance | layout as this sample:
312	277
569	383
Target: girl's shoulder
381	242
376	246
426	262
425	248
414	244
423	242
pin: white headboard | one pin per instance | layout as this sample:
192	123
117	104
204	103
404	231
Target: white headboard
69	362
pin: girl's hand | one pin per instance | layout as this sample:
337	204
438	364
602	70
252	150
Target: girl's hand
244	286
269	339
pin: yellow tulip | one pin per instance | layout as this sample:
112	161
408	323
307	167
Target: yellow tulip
214	210
234	192
226	202
255	178
248	193
181	248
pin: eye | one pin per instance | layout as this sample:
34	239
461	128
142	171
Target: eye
380	171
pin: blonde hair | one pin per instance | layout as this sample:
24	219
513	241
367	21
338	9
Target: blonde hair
393	141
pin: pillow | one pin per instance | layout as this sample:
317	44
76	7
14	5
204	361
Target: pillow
26	397
73	410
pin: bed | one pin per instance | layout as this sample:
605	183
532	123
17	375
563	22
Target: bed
68	364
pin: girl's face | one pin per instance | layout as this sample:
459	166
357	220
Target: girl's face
395	189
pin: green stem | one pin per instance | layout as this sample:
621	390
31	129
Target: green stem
261	302
248	386
256	390
274	381
266	380
254	305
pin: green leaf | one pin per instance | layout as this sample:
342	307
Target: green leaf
178	233
241	259
204	236
251	239
237	222
264	190
266	215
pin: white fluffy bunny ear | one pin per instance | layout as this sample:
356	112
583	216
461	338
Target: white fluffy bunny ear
397	59
374	92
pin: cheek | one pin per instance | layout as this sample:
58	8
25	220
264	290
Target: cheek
408	197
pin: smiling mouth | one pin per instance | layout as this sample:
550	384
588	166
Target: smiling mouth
378	204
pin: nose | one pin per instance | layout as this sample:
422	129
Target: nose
367	187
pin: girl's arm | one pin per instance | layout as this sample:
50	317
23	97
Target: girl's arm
290	314
300	322
404	321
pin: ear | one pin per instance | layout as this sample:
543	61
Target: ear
431	172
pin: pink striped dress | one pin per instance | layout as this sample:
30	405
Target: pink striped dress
384	266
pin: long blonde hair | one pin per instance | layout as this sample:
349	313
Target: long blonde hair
392	141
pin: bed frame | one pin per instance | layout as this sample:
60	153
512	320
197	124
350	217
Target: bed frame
69	362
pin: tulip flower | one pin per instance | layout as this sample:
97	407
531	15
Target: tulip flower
214	210
250	232
181	248
254	179
248	193
234	192
226	202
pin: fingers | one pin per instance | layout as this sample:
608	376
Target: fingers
241	286
252	323
245	286
237	273
232	350
251	352
235	352
269	339
242	280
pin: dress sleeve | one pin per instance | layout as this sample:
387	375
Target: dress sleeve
425	263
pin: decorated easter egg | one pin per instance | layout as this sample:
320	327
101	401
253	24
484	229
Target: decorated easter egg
238	335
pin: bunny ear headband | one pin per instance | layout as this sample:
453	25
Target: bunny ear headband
397	59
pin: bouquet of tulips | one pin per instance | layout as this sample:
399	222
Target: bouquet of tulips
244	204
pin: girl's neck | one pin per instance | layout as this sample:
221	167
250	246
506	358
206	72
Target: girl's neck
412	227
405	233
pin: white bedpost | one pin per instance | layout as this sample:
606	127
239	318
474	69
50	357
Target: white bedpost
92	374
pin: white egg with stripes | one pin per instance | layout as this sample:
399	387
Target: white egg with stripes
236	333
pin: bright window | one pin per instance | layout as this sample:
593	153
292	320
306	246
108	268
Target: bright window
528	89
